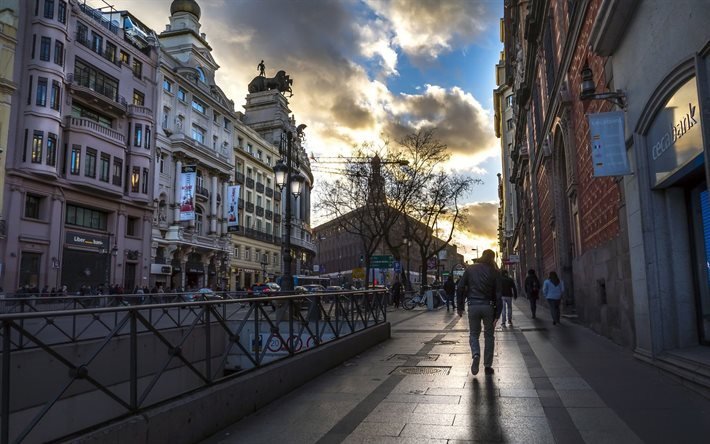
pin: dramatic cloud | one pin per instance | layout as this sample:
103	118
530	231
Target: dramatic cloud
426	28
481	219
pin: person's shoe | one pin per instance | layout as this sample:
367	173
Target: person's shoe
510	323
475	364
488	370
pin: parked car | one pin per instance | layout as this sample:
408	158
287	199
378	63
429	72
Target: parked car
258	290
203	294
331	288
314	288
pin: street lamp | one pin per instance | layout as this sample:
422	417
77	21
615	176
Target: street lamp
476	250
112	252
284	177
408	242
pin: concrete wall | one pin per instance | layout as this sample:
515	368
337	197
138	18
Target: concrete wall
185	421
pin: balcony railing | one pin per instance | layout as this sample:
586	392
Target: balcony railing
250	183
98	17
140	110
269	192
277	218
202	191
260	211
84	80
269	214
77	122
259	187
241	203
239	177
250	207
258	235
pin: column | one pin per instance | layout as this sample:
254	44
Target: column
225	206
176	200
213	205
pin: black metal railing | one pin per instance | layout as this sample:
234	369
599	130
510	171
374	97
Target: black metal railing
241	203
202	191
269	192
259	187
260	211
269	214
68	371
249	183
250	207
239	177
258	235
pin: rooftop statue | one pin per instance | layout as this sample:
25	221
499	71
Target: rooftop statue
262	69
280	82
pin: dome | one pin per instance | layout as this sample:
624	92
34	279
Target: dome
190	6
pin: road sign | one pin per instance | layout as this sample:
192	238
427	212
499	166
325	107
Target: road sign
383	261
397	267
514	258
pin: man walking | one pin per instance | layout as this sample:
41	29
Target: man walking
508	293
480	288
450	290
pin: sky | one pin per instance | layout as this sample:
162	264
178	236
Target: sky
368	70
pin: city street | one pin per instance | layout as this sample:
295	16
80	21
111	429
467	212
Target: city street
552	384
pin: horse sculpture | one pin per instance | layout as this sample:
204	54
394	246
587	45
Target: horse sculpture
280	82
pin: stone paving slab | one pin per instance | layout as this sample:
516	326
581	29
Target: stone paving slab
541	392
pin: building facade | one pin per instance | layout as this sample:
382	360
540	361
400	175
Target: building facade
631	247
79	161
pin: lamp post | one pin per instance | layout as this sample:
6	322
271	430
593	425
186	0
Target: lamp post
108	252
476	250
408	242
284	177
264	263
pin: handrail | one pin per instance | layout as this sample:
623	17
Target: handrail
111	360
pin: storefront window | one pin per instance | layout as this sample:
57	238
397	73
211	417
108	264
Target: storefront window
29	269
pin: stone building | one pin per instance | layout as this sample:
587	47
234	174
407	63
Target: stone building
631	245
78	199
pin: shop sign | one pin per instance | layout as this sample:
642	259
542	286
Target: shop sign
674	138
195	268
607	139
85	240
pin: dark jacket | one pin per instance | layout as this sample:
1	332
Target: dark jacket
508	287
480	281
449	286
532	286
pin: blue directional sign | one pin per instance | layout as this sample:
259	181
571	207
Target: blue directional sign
397	266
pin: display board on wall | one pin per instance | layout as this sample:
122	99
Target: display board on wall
607	139
188	177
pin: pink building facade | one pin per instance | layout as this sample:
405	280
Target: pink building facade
79	184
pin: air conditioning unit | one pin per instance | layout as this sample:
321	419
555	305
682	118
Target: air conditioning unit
161	269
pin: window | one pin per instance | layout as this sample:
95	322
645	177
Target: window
75	161
90	165
49	9
135	179
137	134
86	217
41	92
198	106
201	74
161	163
137	68
30	267
510	124
268	160
37	144
182	94
29	92
32	206
250	173
227	124
258	201
214	143
250	149
132	226
138	98
215	117
268	204
45	48
104	167
259	154
110	53
268	228
59	53
97	43
147	137
34	43
89	77
51	149
509	101
117	171
145	181
125	58
166	117
247	253
248	223
167	85
249	197
55	98
199	219
78	110
62	12
198	134
82	33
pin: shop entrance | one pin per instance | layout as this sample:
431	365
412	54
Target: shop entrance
700	220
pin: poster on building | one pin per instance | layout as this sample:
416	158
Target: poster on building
188	177
233	208
606	137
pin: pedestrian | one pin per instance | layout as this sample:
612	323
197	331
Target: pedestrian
553	289
396	293
450	289
480	288
532	290
508	293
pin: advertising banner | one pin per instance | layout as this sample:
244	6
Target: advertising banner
188	177
233	208
606	134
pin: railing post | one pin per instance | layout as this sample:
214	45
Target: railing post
208	344
134	362
257	343
6	344
290	327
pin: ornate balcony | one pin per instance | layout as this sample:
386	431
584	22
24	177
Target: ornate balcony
202	192
241	203
259	187
250	183
140	111
95	129
260	211
269	214
239	177
269	192
250	207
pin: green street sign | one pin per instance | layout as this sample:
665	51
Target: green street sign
383	261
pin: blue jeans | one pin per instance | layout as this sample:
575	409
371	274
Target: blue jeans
477	314
507	309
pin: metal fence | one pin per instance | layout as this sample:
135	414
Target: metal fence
70	369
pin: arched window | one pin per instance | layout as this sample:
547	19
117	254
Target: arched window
201	74
199	219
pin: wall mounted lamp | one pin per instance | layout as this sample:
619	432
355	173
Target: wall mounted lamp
588	91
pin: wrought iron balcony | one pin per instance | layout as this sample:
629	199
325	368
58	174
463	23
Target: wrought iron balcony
260	211
259	187
250	207
202	191
269	214
241	203
250	183
239	177
269	192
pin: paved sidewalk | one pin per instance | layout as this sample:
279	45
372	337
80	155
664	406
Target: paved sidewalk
561	384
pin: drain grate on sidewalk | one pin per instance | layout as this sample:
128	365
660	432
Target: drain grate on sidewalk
405	357
423	370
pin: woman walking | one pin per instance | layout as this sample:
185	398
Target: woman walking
552	289
532	290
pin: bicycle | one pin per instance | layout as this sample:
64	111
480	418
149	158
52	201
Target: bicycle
414	300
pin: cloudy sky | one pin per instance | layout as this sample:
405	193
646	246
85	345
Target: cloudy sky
368	69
